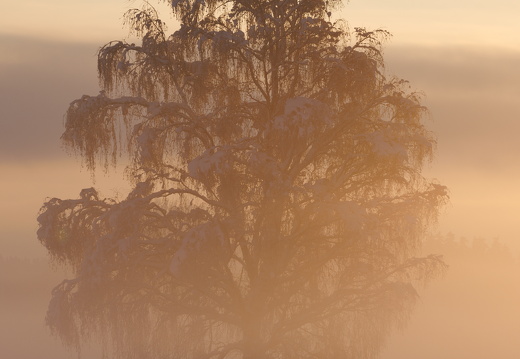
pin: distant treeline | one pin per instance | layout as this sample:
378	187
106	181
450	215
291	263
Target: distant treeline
457	248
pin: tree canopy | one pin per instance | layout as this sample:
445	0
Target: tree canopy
278	200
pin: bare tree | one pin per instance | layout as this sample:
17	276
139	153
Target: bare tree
278	201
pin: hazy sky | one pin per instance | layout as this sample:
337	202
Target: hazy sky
463	55
440	22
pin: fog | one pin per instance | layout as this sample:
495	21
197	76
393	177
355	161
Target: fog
471	312
25	292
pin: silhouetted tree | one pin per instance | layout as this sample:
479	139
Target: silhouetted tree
278	198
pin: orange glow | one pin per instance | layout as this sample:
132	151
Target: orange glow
463	55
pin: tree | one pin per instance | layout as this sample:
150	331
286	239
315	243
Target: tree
277	203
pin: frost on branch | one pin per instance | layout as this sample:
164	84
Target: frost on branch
278	202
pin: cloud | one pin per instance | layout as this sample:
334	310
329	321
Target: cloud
472	94
38	79
473	97
448	70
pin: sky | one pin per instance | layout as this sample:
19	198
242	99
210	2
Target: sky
441	22
463	55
